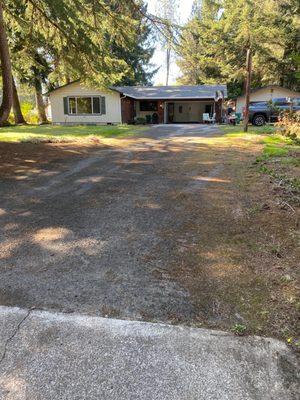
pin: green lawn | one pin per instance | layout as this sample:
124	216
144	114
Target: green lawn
27	133
279	158
276	145
237	130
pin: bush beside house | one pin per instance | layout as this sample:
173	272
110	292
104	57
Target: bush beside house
289	124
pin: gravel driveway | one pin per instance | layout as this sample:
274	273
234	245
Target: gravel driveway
96	235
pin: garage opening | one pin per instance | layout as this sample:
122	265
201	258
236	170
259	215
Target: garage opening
187	111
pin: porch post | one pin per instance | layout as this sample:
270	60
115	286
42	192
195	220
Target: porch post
218	108
160	112
165	112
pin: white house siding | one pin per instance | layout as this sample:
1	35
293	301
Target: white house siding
265	94
112	100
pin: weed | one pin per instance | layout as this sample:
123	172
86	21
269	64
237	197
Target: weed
276	250
293	161
286	278
239	329
265	170
261	159
293	342
254	209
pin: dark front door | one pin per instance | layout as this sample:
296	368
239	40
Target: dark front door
170	114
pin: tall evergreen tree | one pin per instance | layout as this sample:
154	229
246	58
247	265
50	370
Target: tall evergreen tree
199	44
288	20
139	50
57	40
7	97
214	43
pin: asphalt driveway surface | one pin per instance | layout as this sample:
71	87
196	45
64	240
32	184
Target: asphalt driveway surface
96	235
149	228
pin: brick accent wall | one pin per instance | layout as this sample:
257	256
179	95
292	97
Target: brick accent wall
127	110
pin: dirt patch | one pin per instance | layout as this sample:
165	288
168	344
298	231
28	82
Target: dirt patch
19	159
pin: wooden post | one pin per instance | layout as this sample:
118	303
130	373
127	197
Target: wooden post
247	94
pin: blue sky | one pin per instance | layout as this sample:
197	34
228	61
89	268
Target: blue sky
184	11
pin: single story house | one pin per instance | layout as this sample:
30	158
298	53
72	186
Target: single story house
265	93
75	103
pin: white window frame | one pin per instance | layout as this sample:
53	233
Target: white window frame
86	97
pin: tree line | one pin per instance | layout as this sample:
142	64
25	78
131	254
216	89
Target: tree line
46	43
214	43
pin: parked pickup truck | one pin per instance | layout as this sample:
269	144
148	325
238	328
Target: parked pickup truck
261	112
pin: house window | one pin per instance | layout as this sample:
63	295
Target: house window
96	105
148	106
86	105
72	105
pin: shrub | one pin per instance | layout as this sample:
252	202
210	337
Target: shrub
289	124
29	113
140	120
31	117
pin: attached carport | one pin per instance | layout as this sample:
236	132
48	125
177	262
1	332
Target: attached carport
171	104
187	111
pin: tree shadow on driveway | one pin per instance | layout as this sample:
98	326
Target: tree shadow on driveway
147	228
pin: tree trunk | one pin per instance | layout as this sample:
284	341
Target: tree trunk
19	119
7	89
168	65
40	102
247	94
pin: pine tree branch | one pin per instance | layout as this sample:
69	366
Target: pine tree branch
55	24
157	22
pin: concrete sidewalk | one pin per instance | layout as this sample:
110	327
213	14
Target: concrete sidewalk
59	356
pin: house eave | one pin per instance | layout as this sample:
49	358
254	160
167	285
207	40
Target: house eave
266	87
169	98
